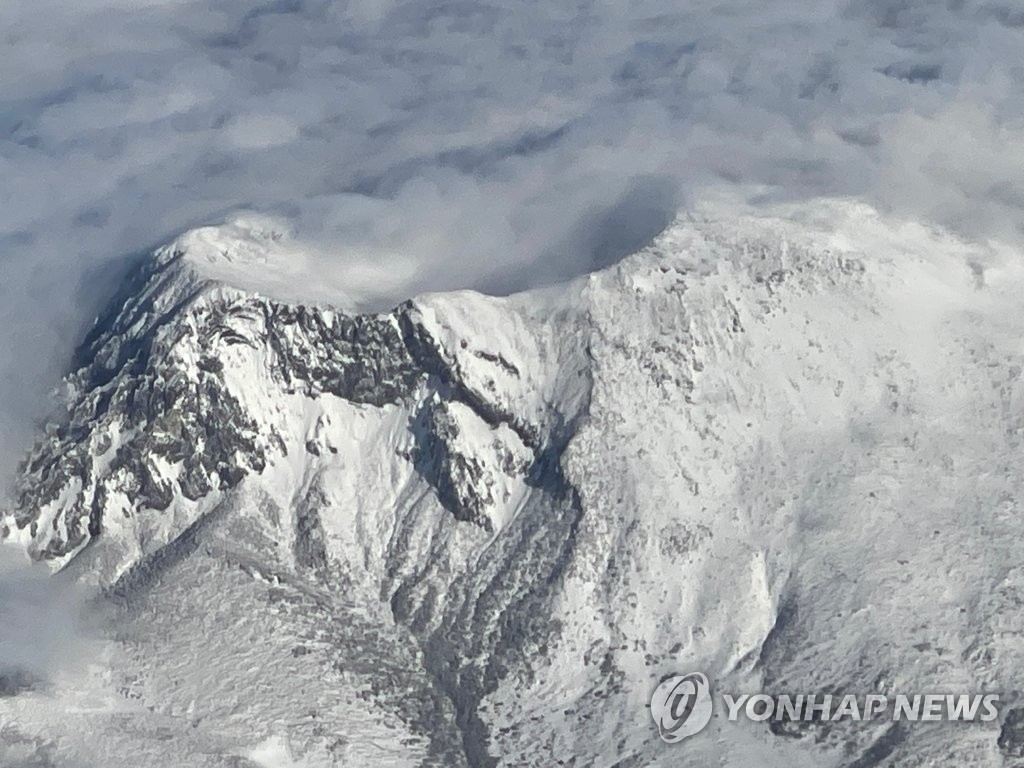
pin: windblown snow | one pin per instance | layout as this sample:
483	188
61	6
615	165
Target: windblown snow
781	449
259	254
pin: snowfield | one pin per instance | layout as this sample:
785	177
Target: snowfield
783	450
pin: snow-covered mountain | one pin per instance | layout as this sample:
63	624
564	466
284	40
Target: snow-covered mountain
781	450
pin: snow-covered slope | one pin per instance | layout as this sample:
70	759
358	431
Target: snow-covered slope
476	531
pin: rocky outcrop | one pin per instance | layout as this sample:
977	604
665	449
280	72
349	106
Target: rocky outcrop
752	449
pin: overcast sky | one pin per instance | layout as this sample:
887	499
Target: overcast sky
493	144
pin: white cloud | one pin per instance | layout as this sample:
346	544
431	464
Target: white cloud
488	143
260	131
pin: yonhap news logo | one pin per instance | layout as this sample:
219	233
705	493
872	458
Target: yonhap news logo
682	706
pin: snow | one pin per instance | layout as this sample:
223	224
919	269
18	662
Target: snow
274	752
794	439
260	254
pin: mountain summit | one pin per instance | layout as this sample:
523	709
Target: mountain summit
779	450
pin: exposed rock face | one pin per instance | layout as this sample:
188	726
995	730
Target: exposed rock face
148	420
752	449
151	419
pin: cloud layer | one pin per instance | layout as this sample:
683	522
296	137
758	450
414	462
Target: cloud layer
490	144
39	630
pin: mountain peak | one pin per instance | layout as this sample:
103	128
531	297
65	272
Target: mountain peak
746	450
260	254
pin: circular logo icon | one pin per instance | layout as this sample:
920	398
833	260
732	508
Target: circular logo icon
681	706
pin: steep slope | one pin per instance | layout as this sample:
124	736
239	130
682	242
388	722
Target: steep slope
478	531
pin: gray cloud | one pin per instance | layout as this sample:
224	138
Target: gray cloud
39	628
489	144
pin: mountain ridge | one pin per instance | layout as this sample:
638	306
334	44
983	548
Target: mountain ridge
513	516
